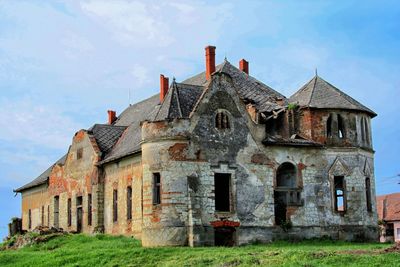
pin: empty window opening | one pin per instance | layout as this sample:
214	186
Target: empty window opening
222	120
368	193
42	218
48	215
69	212
129	203
156	188
222	183
79	214
329	126
115	205
339	193
29	219
79	153
224	236
366	133
89	209
56	211
341	130
398	233
286	175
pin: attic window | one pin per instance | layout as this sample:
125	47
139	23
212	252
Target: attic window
222	120
79	153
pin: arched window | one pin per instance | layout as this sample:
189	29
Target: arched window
286	175
366	133
341	130
222	120
329	126
368	193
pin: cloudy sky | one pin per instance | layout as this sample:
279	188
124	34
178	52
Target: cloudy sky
64	63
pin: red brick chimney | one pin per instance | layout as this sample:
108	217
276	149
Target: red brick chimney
244	65
164	84
112	116
210	61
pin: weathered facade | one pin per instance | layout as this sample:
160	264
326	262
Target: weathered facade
218	159
389	217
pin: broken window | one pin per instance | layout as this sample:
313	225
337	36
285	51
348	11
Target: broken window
368	193
115	205
56	211
341	130
79	153
222	120
29	219
329	126
89	209
79	213
339	194
156	188
222	188
129	203
69	212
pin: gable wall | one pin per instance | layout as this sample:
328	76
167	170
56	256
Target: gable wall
34	199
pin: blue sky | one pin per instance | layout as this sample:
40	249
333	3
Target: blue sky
64	63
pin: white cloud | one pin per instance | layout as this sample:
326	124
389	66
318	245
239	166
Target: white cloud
131	22
37	124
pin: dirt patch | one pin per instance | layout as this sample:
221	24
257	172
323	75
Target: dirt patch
394	248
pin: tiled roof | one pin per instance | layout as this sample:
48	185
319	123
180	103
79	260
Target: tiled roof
248	88
129	142
388	207
106	135
318	93
43	178
179	101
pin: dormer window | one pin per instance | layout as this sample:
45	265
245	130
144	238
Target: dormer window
222	120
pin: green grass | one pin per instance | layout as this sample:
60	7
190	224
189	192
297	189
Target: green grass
103	250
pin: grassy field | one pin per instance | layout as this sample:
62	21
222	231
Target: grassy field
103	250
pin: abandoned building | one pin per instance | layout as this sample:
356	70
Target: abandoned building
217	159
389	217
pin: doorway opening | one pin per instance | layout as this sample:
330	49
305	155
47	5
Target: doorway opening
224	236
79	214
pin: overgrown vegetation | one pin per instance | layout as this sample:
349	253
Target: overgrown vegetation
103	250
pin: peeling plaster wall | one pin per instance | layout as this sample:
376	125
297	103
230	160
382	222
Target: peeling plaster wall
118	176
34	199
78	178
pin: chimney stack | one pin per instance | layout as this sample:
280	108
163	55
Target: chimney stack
244	65
112	116
164	84
210	61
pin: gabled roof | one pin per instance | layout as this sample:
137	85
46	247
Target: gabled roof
129	142
248	88
43	178
388	207
318	93
179	101
106	135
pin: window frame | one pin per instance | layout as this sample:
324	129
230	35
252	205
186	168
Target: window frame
336	196
129	203
115	205
223	120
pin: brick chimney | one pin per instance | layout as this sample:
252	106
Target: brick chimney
244	65
112	116
164	84
210	61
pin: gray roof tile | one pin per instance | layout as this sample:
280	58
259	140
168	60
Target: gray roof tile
318	93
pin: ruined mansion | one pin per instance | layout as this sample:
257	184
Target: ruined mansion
217	159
